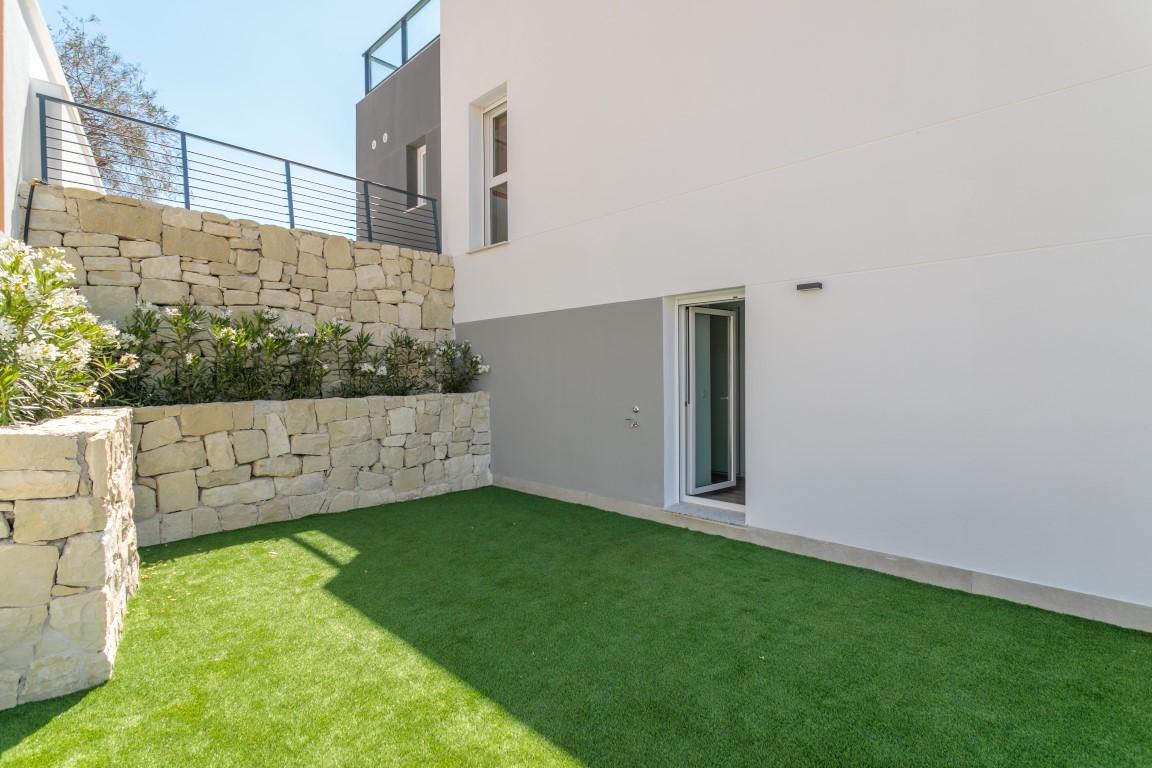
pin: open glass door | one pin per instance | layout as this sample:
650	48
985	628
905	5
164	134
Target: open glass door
711	400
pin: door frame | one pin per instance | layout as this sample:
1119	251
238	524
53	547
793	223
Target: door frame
676	342
690	404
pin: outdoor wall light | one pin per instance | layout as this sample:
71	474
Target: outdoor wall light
810	286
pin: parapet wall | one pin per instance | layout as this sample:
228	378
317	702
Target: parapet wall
127	251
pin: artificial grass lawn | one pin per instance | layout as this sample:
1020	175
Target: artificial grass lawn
496	628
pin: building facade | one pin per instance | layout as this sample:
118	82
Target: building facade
868	275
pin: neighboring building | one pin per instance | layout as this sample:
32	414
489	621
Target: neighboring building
29	66
634	195
398	120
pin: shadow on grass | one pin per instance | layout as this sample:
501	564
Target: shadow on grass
27	719
631	643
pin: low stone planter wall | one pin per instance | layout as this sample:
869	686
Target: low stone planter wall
221	466
68	557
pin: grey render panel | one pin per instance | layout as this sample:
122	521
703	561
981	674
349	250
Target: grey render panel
406	106
563	384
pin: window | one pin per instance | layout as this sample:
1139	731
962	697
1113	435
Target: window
496	174
422	172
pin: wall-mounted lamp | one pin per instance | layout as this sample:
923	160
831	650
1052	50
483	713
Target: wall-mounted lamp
810	286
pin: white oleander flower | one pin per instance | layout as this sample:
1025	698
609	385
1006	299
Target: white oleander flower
189	357
7	330
172	312
484	368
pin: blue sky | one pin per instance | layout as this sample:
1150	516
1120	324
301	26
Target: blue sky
279	76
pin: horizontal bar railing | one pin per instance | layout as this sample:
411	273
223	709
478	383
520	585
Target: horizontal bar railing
99	149
415	31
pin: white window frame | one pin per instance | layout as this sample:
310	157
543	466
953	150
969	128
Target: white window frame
491	181
422	174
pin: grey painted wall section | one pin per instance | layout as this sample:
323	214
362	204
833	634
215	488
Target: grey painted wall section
406	106
563	383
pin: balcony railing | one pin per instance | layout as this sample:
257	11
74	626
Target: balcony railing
102	150
415	31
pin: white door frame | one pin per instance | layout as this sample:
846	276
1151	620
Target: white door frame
676	343
691	403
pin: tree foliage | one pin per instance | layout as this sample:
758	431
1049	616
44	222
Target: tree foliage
133	158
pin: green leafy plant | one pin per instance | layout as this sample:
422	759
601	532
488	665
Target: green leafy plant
453	366
55	355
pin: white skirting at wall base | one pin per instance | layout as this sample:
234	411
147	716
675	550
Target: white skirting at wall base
1103	609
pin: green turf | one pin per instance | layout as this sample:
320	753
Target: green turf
496	628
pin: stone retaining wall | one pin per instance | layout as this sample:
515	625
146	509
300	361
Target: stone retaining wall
127	251
68	557
221	466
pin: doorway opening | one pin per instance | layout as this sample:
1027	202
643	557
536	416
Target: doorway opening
712	393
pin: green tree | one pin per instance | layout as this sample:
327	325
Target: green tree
133	159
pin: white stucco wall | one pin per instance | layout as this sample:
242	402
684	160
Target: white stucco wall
973	184
30	66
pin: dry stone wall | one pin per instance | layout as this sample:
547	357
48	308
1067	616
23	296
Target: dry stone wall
127	251
221	466
68	557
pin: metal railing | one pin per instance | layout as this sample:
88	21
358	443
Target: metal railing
98	149
414	32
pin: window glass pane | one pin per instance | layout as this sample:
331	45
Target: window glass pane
498	212
500	144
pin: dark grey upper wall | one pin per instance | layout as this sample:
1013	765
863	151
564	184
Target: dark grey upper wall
562	385
406	106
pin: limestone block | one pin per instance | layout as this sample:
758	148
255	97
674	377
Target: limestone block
179	217
389	297
236	516
433	471
363	454
42	239
274	511
249	445
245	298
435	315
171	458
310	265
139	249
278	442
145	502
206	418
194	245
175	526
409	315
113	278
148	531
222	230
341	280
338	253
242	414
427	423
177	491
408	479
54	220
19	630
251	492
58	674
107	260
349	431
392	457
82	618
458	466
206	478
39	520
278	244
148	414
365	311
402	421
298	486
281	466
343	501
316	464
205	520
242	282
109	302
415	457
163	292
218	446
303	506
357	407
462	415
29	572
332	409
157	434
161	268
372	481
286	299
28	448
369	277
343	477
85	561
421	272
443	278
133	222
300	416
316	444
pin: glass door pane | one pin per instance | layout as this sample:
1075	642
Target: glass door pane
711	381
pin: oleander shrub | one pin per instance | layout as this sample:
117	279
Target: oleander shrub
453	366
55	355
188	354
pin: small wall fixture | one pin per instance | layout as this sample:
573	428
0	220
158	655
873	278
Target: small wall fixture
810	286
